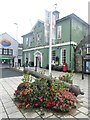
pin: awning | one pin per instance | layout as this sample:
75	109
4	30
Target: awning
6	58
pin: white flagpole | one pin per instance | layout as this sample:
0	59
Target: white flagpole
50	44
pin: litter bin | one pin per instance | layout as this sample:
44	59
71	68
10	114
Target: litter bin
64	67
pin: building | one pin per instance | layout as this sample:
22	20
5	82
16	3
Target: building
9	50
69	31
82	55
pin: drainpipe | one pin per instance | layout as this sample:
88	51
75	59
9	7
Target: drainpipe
70	40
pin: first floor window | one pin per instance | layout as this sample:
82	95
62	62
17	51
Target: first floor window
7	51
63	55
53	55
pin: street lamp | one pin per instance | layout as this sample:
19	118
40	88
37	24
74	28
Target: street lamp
82	55
16	30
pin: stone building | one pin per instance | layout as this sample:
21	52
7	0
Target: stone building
82	55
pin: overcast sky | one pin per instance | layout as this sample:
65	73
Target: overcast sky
26	13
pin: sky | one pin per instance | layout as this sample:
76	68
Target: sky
26	13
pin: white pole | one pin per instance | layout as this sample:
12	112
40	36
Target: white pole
50	44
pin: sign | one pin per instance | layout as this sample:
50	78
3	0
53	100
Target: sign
5	43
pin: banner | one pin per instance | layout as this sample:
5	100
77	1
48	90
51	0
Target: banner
47	27
53	29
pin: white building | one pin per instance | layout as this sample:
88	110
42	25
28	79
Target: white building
8	50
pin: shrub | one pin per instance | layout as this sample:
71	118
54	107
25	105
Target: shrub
40	94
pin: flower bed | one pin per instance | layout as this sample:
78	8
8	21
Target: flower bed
43	94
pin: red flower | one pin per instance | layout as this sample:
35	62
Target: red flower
53	94
25	99
53	103
48	104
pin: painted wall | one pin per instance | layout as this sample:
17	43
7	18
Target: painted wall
78	31
65	31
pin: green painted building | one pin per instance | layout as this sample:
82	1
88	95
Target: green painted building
69	31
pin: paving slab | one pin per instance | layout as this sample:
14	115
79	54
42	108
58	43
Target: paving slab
3	115
12	109
31	115
81	115
9	104
83	110
16	115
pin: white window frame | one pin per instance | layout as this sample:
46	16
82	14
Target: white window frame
27	39
62	55
88	50
59	31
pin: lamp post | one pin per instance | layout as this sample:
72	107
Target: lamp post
16	30
16	63
82	62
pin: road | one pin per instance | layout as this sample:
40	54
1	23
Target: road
7	72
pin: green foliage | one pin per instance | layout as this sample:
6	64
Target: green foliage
27	77
66	78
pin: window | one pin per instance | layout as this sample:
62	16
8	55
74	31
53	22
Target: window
59	32
7	51
88	50
63	55
27	41
53	55
0	51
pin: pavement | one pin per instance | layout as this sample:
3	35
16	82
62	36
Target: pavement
9	109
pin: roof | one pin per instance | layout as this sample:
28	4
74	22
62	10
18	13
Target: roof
8	35
28	34
33	27
72	16
37	23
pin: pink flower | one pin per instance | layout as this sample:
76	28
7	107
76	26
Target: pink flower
40	99
69	109
46	93
61	100
16	91
66	105
61	106
57	104
36	105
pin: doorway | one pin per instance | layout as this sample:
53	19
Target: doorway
38	59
